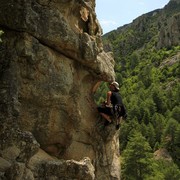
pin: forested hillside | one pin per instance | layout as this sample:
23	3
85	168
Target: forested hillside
147	55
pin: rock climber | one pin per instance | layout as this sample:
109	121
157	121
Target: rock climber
113	107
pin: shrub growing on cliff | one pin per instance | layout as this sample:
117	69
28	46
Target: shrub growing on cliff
1	32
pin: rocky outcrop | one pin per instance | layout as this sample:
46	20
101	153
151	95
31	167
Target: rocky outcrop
169	34
177	1
162	154
51	60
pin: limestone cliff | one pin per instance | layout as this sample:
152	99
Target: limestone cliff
169	34
51	60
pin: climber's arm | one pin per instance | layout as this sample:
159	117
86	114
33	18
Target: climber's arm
108	98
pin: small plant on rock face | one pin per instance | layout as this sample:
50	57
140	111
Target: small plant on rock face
1	32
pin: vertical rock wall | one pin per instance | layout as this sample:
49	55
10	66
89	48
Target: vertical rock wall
51	58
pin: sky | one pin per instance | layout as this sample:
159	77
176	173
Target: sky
115	13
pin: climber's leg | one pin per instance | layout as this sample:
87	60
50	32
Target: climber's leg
107	117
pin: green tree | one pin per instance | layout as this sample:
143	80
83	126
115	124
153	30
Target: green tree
119	78
168	170
134	60
137	160
158	122
171	137
144	130
146	116
175	114
126	130
124	134
101	92
159	100
156	146
149	103
151	136
134	111
177	145
145	76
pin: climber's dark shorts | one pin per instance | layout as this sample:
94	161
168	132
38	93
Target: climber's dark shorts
105	110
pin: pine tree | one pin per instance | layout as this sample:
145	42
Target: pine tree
158	122
146	116
171	137
159	100
137	158
126	130
168	170
151	135
175	113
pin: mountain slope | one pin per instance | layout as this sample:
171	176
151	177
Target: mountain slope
160	27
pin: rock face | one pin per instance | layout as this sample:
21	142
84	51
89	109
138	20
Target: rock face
169	34
175	1
51	60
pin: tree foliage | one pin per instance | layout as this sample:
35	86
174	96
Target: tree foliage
137	158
